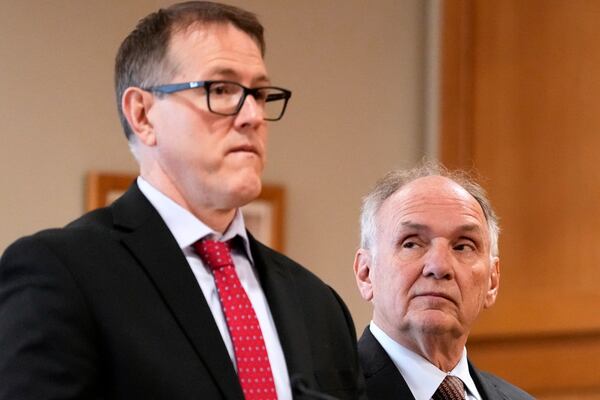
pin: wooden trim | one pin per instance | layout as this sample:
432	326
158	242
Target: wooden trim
99	186
456	84
275	195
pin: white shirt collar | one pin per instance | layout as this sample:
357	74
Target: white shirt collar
184	226
422	377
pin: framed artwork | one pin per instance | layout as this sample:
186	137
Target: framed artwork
263	216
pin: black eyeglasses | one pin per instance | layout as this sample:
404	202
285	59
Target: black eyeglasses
227	98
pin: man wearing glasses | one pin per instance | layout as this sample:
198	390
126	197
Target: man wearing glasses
164	294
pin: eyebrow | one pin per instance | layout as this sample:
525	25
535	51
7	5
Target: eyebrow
461	228
231	74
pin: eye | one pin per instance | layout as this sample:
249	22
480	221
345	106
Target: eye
411	248
409	245
222	89
465	246
411	242
261	95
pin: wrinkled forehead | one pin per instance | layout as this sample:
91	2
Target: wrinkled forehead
433	200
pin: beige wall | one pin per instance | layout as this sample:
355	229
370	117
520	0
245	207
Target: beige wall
356	69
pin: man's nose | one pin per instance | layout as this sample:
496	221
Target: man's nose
438	262
251	113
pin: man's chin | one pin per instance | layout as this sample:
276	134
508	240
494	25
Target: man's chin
240	161
434	322
244	191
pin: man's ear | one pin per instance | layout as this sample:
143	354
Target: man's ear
136	104
494	283
362	273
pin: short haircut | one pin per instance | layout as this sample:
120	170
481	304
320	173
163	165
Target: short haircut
395	180
142	57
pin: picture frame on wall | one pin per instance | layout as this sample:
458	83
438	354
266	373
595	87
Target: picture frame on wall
264	217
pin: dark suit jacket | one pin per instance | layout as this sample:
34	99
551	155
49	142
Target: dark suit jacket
384	381
108	308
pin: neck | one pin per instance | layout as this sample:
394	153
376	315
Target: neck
442	352
214	217
218	220
443	349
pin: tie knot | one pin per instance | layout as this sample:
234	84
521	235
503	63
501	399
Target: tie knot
451	388
213	253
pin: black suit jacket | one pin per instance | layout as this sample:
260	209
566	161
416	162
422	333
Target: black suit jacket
384	381
108	308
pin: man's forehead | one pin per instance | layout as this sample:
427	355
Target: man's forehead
435	185
215	48
223	34
434	194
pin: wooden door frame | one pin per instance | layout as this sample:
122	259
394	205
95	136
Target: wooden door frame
455	136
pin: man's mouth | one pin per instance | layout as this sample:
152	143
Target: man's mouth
434	294
246	148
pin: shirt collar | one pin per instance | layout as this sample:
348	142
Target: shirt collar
422	377
185	227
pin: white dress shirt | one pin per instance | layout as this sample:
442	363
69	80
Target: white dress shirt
187	229
422	377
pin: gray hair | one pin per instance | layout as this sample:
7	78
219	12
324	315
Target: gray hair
395	180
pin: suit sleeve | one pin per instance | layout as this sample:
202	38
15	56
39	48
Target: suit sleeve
47	339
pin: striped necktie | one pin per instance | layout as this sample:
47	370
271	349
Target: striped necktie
451	388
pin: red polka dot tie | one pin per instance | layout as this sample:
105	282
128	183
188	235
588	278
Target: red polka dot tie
254	369
451	388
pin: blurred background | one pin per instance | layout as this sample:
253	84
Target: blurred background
508	87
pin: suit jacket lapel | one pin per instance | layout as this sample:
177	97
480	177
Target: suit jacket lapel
151	243
384	381
285	307
487	389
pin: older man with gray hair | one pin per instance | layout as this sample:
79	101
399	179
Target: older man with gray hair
429	264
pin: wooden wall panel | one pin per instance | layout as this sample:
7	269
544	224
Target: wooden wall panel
538	140
546	366
530	70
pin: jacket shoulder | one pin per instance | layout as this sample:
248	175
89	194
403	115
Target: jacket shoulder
508	390
81	233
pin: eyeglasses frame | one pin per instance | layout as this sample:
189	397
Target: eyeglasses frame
178	87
